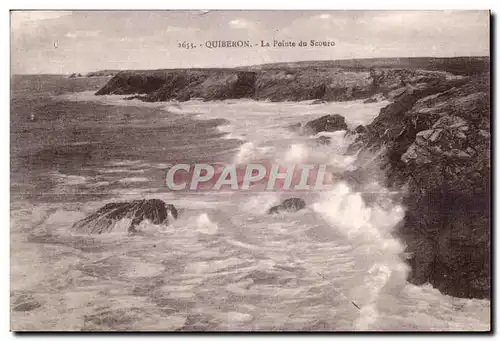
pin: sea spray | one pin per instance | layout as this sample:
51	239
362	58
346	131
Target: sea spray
249	152
297	153
367	228
86	278
206	225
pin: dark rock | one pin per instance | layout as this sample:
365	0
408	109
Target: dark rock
288	205
360	129
318	101
183	97
128	98
328	123
279	83
435	139
102	73
75	75
323	140
103	220
182	85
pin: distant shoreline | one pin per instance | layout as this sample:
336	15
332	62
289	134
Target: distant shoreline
403	62
341	80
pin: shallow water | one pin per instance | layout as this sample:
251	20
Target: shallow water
224	264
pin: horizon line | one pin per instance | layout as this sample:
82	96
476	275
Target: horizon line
250	65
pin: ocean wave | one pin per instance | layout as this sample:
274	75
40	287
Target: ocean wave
133	179
120	170
228	130
227	265
249	152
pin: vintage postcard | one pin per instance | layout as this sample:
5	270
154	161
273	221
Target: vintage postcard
216	170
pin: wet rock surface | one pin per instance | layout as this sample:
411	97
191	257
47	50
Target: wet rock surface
323	141
327	123
288	205
103	220
435	140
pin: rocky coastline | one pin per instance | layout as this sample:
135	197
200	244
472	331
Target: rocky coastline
433	143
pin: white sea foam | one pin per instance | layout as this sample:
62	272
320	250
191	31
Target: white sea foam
225	264
121	170
206	226
249	152
229	131
369	229
133	179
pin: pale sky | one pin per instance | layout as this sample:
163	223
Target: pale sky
83	41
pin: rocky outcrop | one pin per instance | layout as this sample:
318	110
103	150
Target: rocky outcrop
104	219
320	84
360	130
312	84
75	75
466	66
182	85
434	140
327	123
102	73
288	205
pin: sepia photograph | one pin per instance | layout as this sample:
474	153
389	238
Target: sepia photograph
250	171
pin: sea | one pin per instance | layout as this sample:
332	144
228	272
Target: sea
224	264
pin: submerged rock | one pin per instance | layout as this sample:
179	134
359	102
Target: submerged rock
323	140
288	205
327	123
104	219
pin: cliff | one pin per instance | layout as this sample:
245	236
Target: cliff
274	85
322	80
434	140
